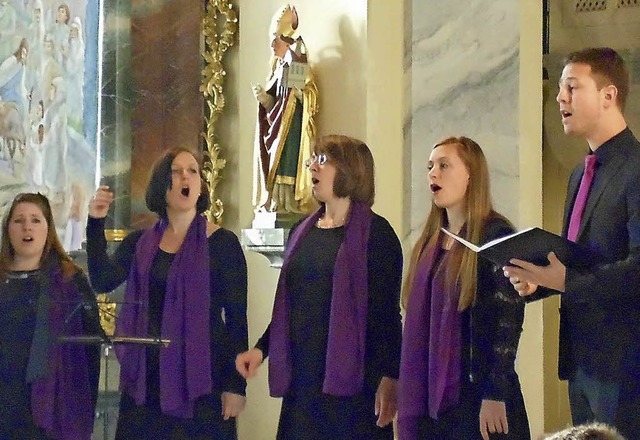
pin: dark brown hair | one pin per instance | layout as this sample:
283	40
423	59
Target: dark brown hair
607	67
160	182
53	253
355	170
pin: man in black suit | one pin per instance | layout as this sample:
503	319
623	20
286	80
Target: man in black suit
600	312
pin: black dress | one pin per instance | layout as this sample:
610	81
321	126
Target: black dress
19	294
307	413
490	331
228	334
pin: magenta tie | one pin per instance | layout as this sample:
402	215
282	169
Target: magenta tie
581	198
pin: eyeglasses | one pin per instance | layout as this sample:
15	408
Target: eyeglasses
320	159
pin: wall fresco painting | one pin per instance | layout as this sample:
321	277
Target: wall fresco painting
48	106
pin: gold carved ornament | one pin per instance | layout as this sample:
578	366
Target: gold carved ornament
106	307
213	73
107	313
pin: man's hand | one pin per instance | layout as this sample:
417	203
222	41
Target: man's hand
526	277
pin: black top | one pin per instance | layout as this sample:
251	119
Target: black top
307	413
491	328
228	313
19	294
310	281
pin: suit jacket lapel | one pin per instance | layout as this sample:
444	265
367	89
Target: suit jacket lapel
572	191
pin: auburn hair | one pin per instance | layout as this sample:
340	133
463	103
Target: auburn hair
463	263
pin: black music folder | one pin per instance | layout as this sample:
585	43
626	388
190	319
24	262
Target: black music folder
532	245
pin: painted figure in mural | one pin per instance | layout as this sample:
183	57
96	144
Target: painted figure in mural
50	68
13	103
56	141
285	131
61	31
74	230
74	70
35	36
35	151
12	134
12	70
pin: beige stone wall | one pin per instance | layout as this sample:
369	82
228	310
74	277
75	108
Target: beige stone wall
357	50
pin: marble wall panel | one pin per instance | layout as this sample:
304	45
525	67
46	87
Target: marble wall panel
464	80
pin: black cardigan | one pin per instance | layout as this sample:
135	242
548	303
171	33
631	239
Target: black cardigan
494	326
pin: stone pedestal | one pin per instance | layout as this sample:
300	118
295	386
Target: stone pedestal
268	235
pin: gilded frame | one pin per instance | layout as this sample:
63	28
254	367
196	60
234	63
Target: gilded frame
215	45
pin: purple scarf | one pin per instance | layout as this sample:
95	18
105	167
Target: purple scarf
185	365
344	371
431	345
61	396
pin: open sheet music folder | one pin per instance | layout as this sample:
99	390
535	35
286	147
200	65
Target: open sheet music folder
113	340
532	245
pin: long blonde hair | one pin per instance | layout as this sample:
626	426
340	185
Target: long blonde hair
463	265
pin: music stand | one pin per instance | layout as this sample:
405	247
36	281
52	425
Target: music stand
108	342
113	340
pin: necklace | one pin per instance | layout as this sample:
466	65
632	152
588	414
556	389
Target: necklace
334	224
20	274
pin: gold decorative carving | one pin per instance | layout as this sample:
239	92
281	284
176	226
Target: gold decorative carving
106	308
213	73
115	234
107	312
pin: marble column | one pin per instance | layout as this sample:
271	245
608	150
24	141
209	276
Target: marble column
116	110
475	69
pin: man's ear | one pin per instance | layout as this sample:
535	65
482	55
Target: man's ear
610	94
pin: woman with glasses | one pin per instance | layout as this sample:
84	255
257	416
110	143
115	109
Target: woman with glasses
48	389
186	282
334	338
463	321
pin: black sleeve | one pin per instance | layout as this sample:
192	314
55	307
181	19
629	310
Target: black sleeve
263	342
108	272
230	284
90	312
505	312
384	322
540	293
